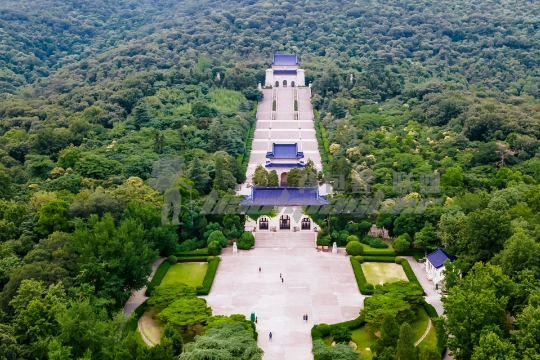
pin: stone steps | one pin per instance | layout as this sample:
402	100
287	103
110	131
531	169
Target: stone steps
285	239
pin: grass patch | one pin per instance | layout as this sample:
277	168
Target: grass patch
150	328
430	341
420	324
191	274
377	273
360	277
225	100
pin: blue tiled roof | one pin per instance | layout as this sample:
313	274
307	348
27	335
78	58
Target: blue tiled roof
284	72
281	196
280	165
285	151
285	59
438	258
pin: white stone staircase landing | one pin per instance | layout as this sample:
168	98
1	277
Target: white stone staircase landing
305	239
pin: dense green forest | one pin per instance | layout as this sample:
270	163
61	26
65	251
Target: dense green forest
93	93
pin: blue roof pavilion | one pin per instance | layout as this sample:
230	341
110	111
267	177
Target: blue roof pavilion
438	258
283	196
285	59
285	151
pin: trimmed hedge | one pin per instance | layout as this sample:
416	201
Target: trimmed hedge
172	259
430	310
360	277
184	259
158	277
131	324
322	330
410	273
198	252
386	259
379	253
209	277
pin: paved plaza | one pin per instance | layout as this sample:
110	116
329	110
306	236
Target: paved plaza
321	285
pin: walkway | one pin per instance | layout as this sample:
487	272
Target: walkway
321	285
432	297
138	297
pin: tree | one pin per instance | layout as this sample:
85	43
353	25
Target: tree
520	252
427	237
98	202
405	345
246	241
164	295
214	248
58	352
140	115
527	334
177	343
429	353
402	243
491	346
354	248
53	216
199	176
116	260
184	312
389	331
225	341
453	177
260	176
200	109
341	334
218	236
273	179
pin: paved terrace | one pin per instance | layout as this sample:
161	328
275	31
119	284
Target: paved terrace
321	285
284	128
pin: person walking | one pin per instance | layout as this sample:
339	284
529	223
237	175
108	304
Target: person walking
255	319
281	279
270	336
306	318
259	269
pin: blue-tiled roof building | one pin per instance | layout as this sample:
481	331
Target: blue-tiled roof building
284	196
435	264
285	59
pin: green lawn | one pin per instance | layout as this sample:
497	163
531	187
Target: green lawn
363	337
368	249
377	273
191	274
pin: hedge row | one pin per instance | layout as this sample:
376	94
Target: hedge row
438	324
430	310
360	277
417	254
322	330
380	253
209	277
248	144
325	141
131	324
199	258
410	273
386	259
158	277
198	252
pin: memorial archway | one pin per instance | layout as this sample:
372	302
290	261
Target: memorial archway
283	179
306	224
284	83
263	223
292	83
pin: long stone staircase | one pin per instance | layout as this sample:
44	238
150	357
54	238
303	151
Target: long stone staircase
285	239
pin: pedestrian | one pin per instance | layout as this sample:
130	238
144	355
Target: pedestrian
281	279
270	336
306	318
255	319
259	269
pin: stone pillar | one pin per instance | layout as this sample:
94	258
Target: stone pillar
300	76
269	81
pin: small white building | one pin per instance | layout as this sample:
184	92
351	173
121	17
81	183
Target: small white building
285	72
435	265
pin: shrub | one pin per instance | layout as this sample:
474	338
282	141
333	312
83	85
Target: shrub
133	321
219	237
199	287
214	248
378	244
354	248
324	240
158	277
210	258
367	239
359	258
369	286
172	259
401	244
324	329
315	333
385	259
246	241
341	334
360	277
352	238
398	259
430	310
209	277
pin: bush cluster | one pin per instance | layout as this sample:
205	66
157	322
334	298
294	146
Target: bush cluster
214	248
354	248
172	259
359	258
246	241
374	242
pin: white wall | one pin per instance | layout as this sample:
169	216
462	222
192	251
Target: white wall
295	216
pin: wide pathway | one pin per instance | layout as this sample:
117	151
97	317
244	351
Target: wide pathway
321	285
138	297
